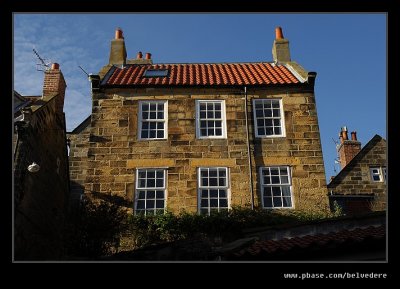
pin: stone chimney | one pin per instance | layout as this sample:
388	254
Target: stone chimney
118	50
54	84
347	148
280	48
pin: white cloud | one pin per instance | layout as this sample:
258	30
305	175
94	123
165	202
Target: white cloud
56	41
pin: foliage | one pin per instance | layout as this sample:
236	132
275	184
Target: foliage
223	226
93	229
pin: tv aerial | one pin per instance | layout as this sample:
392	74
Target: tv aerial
41	65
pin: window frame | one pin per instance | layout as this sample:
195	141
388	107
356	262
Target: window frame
165	120
137	189
223	118
381	173
200	187
282	119
290	185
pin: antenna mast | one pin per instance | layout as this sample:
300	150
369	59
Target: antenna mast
42	66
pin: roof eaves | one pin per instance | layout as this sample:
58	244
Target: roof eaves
108	75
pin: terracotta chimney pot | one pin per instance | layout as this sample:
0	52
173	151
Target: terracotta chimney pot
278	33
139	55
148	55
55	66
119	33
354	135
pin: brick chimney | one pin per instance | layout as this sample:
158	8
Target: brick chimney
118	50
280	48
54	84
347	148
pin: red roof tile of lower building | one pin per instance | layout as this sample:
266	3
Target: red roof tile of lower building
321	240
206	74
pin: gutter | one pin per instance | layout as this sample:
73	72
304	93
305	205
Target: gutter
248	149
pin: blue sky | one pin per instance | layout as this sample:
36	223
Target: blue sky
348	52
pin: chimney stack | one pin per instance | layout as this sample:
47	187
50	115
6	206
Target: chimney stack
54	84
118	50
348	148
280	48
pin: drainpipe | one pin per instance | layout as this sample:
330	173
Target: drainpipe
248	149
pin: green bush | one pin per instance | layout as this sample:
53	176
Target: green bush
94	229
223	226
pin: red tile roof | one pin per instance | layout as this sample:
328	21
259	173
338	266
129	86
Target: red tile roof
206	74
268	247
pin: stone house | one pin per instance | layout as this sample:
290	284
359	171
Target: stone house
41	175
201	137
360	186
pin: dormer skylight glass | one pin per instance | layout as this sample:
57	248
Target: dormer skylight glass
156	73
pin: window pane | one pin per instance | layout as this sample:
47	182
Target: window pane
151	174
203	132
145	134
222	193
277	112
283	171
213	193
276	191
213	182
222	182
218	114
152	115
160	204
145	115
274	171
213	203
261	131
142	183
140	205
204	193
284	180
151	183
204	203
152	134
160	107
153	106
277	202
275	103
259	113
268	202
268	113
287	202
151	194
145	107
160	174
217	106
269	131
277	130
210	114
160	134
213	173
160	194
145	125
160	183
141	195
267	192
223	203
285	191
275	179
150	204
